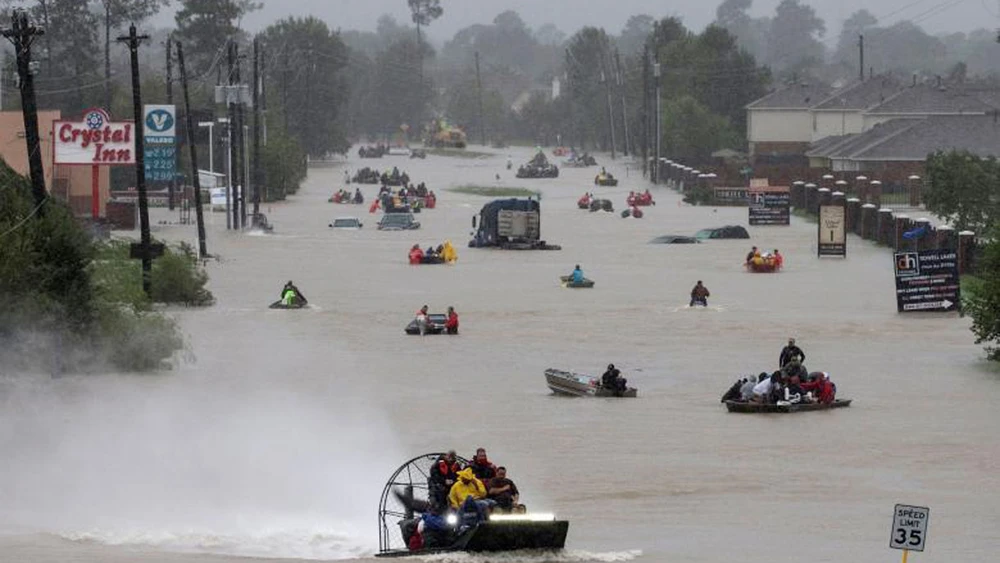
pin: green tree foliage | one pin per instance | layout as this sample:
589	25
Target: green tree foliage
58	310
691	130
284	166
310	82
205	26
964	190
795	33
541	119
463	110
982	299
635	33
587	57
751	33
903	46
67	54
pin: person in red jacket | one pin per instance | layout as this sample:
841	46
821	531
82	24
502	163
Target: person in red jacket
823	387
482	467
416	255
451	325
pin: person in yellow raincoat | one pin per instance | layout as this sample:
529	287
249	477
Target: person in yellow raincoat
448	253
466	486
757	260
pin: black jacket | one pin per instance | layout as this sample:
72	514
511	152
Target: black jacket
789	352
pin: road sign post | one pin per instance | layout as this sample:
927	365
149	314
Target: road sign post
909	528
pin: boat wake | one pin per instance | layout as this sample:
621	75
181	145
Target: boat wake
715	308
533	556
274	542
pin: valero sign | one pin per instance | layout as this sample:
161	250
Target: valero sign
94	141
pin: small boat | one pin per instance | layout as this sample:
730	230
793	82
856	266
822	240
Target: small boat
740	406
605	180
435	324
580	385
764	268
567	281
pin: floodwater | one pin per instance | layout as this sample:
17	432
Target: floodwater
275	436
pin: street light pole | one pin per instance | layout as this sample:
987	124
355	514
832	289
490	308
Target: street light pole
211	143
229	171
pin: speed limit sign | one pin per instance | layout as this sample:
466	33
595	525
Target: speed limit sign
909	527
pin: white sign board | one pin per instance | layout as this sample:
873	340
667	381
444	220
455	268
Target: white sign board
94	140
832	238
909	527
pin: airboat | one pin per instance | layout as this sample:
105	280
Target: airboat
407	493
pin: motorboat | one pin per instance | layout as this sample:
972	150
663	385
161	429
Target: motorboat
581	385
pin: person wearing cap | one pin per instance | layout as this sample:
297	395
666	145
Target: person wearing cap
789	352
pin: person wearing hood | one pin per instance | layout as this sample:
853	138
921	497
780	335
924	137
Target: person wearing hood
416	254
448	252
290	294
466	486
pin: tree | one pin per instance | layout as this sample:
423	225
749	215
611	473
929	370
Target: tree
635	33
981	300
962	189
692	131
206	26
423	12
311	82
586	54
799	30
861	22
549	34
463	109
71	57
751	33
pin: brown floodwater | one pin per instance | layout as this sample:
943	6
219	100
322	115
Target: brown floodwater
276	431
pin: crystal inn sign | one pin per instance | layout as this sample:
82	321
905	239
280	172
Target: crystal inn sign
94	141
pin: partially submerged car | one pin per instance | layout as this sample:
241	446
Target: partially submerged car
349	223
398	222
674	239
729	231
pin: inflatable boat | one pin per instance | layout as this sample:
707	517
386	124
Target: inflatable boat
762	268
580	385
567	281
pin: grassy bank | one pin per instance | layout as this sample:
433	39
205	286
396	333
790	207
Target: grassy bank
494	191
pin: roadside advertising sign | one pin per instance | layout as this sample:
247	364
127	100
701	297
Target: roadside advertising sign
927	280
832	237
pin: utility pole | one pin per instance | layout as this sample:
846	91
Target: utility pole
133	40
657	125
241	139
202	248
621	89
645	110
257	181
171	187
611	115
234	165
479	86
22	34
861	57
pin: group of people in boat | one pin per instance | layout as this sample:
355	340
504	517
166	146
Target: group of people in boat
603	177
405	199
450	323
460	497
756	259
792	383
639	199
444	254
344	196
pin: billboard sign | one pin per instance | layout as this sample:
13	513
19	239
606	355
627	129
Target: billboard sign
769	205
160	142
927	280
95	140
832	238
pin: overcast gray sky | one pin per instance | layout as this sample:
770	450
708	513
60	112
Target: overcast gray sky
569	15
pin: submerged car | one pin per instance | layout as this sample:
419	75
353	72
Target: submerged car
674	239
729	231
398	222
350	223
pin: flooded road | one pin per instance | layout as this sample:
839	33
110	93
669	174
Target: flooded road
276	436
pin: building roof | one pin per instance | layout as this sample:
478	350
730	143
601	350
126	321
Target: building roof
912	139
796	96
861	95
931	100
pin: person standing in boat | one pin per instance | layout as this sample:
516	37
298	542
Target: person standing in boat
789	352
699	295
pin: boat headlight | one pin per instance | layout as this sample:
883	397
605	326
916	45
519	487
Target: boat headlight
532	517
451	519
